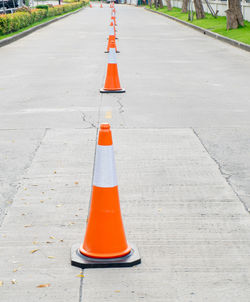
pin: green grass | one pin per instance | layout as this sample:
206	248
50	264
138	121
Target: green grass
217	25
35	24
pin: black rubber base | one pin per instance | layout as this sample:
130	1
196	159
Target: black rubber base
77	259
108	51
112	91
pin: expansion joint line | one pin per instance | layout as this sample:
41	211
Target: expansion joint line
26	168
225	175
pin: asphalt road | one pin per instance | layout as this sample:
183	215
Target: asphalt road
184	92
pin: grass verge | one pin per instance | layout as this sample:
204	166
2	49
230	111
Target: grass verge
35	24
216	25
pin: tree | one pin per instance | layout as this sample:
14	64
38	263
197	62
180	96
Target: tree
199	9
161	3
158	3
169	5
184	6
234	14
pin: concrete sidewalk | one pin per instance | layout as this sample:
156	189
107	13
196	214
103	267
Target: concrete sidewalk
185	96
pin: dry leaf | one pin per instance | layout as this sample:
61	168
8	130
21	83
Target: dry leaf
61	240
28	225
13	281
80	275
16	269
51	257
25	189
43	285
49	242
58	205
42	201
35	242
33	251
1	283
76	182
117	291
52	237
54	172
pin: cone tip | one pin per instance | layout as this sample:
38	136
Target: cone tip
105	126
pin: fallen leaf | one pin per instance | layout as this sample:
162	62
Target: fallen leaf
35	242
28	225
25	189
58	205
61	240
42	201
33	251
43	285
80	275
54	172
13	281
52	237
49	242
76	182
1	283
117	291
51	257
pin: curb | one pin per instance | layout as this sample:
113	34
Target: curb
27	32
206	32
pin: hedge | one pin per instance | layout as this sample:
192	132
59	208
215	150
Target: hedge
14	22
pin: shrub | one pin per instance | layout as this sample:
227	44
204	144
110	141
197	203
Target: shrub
42	6
25	17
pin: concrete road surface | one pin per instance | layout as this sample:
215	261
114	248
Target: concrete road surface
181	139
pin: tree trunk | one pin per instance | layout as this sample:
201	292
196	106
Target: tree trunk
160	3
156	4
150	3
234	14
199	9
169	5
184	6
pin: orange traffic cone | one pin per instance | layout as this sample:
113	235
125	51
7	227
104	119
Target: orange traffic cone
101	5
111	38
105	241
90	5
114	20
112	82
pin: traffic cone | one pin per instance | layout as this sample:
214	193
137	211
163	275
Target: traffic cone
90	5
114	20
111	38
101	5
105	243
112	82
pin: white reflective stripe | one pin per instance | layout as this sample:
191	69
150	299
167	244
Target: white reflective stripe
112	56
111	31
104	171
